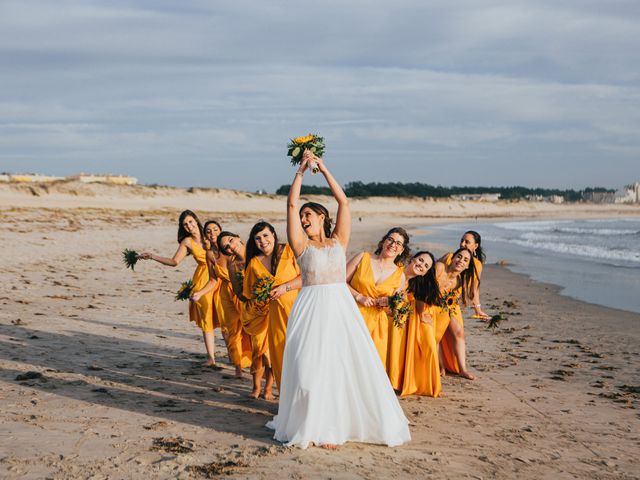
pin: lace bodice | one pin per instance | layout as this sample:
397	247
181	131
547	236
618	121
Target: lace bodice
322	266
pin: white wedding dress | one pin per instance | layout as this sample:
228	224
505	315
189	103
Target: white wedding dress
334	388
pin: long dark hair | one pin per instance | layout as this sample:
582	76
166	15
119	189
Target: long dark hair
406	248
253	250
182	232
468	278
425	288
479	253
221	235
320	210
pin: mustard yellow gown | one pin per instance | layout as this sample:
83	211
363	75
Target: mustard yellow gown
376	319
201	312
254	314
448	341
279	310
227	307
421	366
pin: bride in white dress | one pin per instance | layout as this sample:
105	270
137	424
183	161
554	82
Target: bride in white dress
334	388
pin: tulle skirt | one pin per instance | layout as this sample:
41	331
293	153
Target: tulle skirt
334	388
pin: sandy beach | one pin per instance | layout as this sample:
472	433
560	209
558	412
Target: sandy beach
101	374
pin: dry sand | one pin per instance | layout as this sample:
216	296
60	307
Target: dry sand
118	391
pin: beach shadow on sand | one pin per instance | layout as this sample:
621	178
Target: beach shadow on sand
158	381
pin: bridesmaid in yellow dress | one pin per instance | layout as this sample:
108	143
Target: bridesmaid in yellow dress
191	240
225	303
421	368
472	241
372	278
270	259
457	282
253	313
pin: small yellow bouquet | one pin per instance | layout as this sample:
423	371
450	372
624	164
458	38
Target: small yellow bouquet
184	292
311	142
262	288
400	309
449	300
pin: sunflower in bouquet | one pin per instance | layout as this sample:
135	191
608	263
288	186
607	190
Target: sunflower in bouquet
184	292
400	308
449	300
298	145
262	288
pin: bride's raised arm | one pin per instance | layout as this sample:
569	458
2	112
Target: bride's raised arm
295	234
342	232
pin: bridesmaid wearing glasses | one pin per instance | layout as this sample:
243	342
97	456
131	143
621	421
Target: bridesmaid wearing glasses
372	278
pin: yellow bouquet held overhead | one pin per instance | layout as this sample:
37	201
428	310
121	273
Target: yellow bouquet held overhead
311	142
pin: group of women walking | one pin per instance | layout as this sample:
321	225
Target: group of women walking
248	290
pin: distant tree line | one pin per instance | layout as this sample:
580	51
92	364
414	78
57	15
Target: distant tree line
423	190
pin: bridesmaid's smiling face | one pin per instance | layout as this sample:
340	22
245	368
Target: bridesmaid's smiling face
265	241
211	232
393	245
467	241
461	261
420	265
190	225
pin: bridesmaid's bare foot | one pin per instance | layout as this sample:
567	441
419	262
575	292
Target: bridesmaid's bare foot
239	373
467	375
443	372
209	363
268	396
254	394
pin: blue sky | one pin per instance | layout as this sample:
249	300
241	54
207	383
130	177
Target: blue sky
201	93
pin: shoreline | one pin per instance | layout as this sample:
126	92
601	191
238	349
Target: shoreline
122	393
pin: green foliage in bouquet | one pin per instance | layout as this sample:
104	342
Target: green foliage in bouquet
130	258
494	321
262	288
184	292
400	309
449	300
297	146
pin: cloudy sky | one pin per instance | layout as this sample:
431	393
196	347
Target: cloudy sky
208	93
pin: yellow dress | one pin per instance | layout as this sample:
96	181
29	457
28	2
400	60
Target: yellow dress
279	310
448	341
201	311
376	318
421	366
254	313
227	307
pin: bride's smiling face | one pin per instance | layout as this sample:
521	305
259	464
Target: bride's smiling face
312	223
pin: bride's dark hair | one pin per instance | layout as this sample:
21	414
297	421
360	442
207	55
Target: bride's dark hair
320	210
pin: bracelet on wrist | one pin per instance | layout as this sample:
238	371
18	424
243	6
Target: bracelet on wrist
287	287
476	305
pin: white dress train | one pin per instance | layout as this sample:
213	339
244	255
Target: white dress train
334	388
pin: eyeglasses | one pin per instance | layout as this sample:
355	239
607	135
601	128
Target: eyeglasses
397	243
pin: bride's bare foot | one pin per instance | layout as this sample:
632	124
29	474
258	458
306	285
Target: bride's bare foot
467	375
329	446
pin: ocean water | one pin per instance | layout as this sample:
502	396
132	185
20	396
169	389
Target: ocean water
597	261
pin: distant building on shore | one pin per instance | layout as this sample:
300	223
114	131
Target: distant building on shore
113	179
628	194
599	197
477	197
28	178
542	198
82	178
